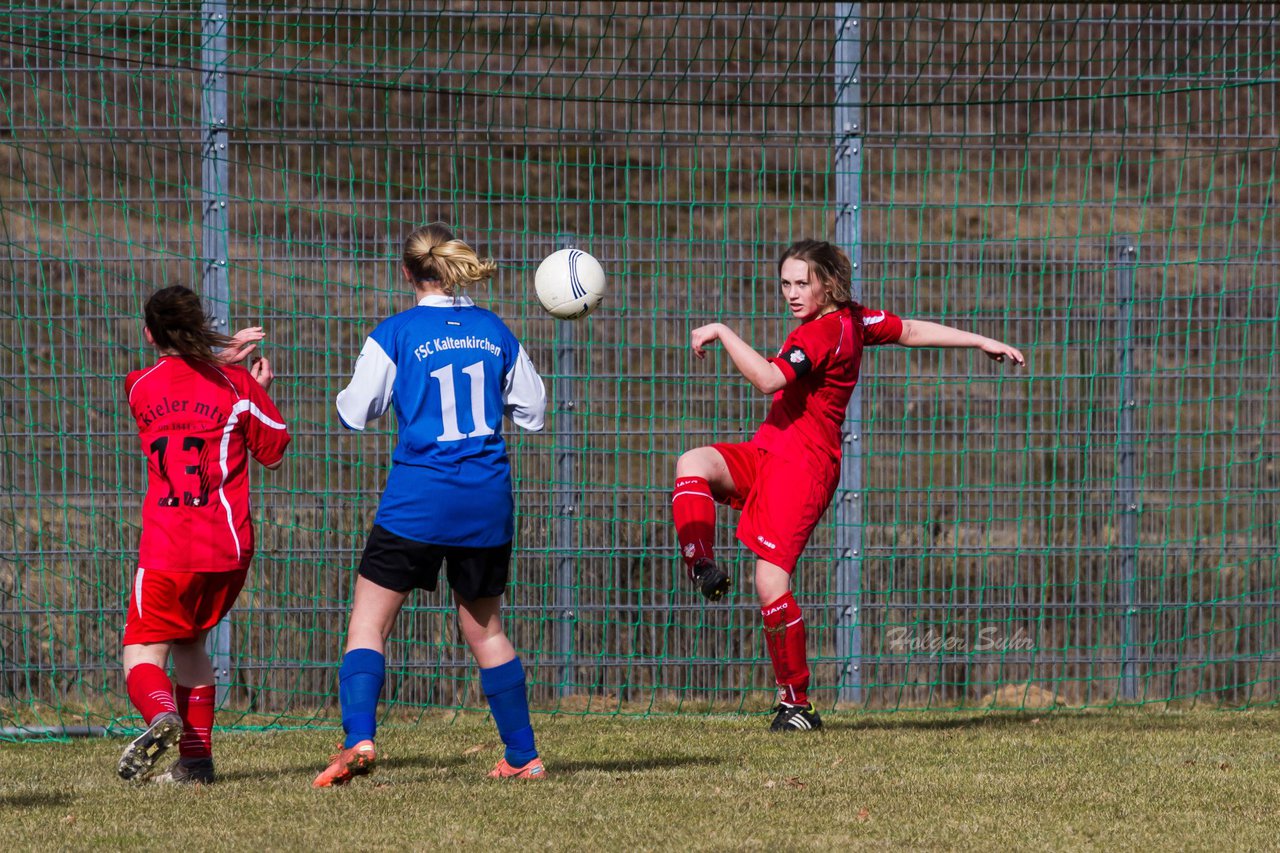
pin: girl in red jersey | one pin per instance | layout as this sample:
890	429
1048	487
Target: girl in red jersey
784	478
199	417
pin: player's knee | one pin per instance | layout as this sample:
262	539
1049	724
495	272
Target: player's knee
693	463
489	648
134	654
771	581
479	633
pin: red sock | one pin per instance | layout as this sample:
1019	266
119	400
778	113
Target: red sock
195	704
695	514
784	637
150	691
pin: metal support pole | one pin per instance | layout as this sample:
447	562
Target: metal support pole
214	287
1127	497
566	493
848	234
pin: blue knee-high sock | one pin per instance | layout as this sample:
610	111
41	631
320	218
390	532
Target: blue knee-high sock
509	703
359	689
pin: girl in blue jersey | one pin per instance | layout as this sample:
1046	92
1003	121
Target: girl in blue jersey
451	371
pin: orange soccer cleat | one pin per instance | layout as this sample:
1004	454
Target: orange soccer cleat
532	770
347	764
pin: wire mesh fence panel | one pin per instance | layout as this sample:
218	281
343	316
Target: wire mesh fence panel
1093	183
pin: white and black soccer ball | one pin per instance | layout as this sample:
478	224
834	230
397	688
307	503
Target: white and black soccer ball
569	283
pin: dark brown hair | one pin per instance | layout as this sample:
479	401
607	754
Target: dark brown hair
828	262
177	322
432	253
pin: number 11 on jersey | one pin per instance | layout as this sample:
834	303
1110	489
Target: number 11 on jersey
449	403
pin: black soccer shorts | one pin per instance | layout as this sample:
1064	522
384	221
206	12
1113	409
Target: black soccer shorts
401	565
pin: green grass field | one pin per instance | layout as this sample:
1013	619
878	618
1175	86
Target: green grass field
1068	780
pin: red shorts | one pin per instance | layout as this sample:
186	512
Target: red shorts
176	607
781	501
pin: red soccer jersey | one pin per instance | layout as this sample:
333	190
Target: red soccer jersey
820	359
196	422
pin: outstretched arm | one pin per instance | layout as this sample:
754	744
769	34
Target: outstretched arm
921	333
757	369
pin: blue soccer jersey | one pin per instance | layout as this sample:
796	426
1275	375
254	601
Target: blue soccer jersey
451	370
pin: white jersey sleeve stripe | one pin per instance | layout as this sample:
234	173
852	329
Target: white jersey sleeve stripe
524	397
223	449
368	394
142	377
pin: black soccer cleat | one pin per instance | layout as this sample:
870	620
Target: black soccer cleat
187	771
795	718
140	756
712	580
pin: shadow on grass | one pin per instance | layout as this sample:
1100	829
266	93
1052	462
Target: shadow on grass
264	773
310	769
634	765
975	721
1114	719
431	762
35	799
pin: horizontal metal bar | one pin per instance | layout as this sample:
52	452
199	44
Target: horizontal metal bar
692	75
899	431
320	76
1083	265
52	731
661	553
329	13
1037	660
1086	610
804	24
417	138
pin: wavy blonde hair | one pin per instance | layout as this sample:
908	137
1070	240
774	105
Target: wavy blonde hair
432	253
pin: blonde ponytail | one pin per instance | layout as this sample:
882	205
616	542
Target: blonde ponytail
432	253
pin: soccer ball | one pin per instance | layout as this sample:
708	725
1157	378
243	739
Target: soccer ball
569	284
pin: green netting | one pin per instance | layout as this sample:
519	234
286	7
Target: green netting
1092	183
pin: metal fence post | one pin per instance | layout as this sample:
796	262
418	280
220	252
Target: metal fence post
1127	258
214	287
566	489
848	177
